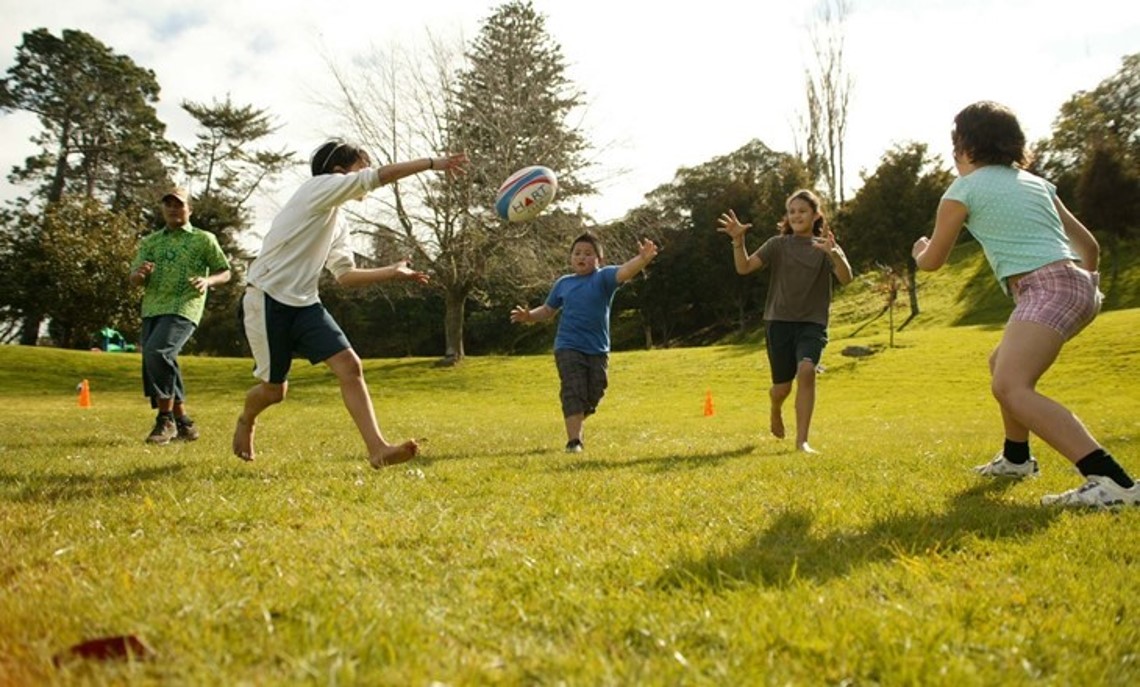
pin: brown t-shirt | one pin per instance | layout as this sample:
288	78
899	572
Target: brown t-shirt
799	288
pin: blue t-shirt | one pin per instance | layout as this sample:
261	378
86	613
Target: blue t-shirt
1012	214
585	301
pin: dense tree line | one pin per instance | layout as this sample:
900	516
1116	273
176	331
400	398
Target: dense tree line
102	158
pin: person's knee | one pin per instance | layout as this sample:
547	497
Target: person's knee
154	356
780	391
1007	391
346	365
274	393
805	373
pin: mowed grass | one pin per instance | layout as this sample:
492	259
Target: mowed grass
678	549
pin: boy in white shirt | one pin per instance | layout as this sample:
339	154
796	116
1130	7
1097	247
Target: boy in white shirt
282	312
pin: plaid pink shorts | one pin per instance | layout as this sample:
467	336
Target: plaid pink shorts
1060	295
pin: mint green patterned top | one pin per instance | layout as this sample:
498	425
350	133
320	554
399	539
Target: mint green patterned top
178	255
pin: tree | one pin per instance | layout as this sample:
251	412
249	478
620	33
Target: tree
87	249
896	204
507	105
226	167
1108	193
1105	119
101	138
692	290
828	88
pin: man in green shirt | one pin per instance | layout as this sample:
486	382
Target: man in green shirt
177	265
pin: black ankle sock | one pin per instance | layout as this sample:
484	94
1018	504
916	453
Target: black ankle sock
1099	462
1016	452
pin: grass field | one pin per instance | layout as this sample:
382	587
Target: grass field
678	549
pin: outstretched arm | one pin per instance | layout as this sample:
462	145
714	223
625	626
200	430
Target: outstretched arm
735	229
932	253
521	313
452	163
397	271
646	251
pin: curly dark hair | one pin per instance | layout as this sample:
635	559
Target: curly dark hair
989	134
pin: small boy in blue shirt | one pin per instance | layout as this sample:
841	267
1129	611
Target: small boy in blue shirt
582	344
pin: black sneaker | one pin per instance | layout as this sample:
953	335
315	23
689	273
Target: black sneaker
574	446
187	431
164	430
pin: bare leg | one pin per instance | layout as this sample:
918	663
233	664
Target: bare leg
1014	430
353	389
1026	351
574	426
805	403
778	394
259	397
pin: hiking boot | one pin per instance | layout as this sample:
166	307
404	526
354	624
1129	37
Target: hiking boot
1000	467
187	430
164	430
574	446
1097	492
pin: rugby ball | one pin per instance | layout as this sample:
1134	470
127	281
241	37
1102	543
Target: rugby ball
526	193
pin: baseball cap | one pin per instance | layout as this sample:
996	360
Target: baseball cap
179	192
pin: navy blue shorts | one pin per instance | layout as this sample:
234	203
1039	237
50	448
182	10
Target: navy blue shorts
276	332
789	343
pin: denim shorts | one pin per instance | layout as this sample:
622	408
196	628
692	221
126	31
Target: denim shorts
1060	296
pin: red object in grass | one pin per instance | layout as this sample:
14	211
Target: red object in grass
108	648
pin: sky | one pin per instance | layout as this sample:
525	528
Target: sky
667	85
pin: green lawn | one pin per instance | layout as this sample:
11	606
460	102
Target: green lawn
678	549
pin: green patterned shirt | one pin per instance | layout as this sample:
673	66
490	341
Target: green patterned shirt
178	255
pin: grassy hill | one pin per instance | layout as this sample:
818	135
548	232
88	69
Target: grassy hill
964	292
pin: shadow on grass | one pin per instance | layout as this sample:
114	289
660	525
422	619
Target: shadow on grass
678	461
790	551
986	303
63	486
80	441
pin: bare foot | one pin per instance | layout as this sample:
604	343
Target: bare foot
394	455
777	423
805	448
243	439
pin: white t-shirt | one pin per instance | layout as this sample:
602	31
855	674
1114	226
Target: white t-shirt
306	237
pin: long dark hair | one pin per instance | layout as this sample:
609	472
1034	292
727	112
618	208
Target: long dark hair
336	153
811	199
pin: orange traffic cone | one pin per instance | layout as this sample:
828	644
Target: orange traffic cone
709	412
84	394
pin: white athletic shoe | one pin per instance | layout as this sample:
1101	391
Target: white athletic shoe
1000	467
1097	492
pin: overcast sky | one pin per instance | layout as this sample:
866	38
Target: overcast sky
667	87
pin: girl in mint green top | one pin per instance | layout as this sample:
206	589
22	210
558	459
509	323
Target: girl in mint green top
1047	260
1014	218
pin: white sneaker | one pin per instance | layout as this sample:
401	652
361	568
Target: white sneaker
1098	492
1000	467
